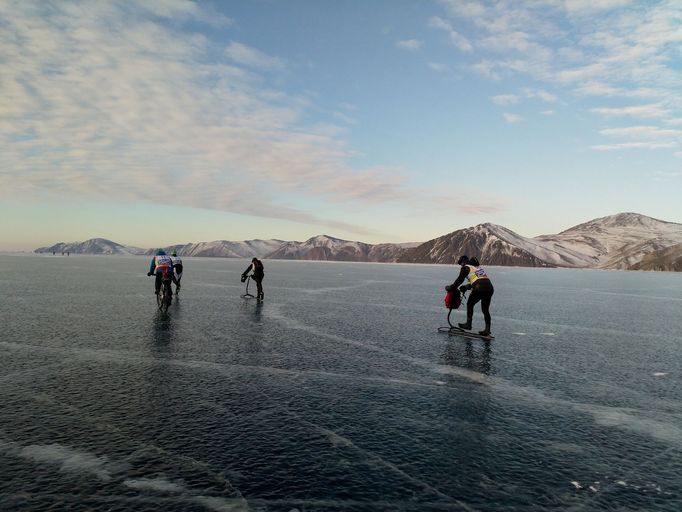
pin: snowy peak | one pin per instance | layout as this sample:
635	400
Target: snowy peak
91	246
327	248
492	244
622	241
226	249
618	241
627	220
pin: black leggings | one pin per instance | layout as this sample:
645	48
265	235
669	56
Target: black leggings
482	290
157	283
259	284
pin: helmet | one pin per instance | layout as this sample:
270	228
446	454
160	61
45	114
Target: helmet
463	260
474	261
174	253
160	252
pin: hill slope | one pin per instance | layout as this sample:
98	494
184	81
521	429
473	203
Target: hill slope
91	246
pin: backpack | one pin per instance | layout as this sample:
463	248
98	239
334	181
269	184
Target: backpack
453	299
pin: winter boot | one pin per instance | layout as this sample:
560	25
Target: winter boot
466	326
486	331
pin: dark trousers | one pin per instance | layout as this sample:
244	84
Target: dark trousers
482	290
157	283
259	285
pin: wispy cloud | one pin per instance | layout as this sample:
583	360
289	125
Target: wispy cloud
651	111
411	45
648	132
512	118
111	100
513	99
438	67
634	145
547	112
505	99
247	56
545	96
590	6
667	176
595	48
486	69
595	88
461	42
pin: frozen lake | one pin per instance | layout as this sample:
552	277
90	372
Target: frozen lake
337	393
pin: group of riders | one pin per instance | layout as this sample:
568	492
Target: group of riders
166	267
169	268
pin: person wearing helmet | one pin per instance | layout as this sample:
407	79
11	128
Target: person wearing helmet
161	267
177	267
257	275
481	290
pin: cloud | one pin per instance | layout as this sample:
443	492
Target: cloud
512	118
104	101
439	68
678	154
540	93
595	88
647	132
411	45
513	99
505	99
634	145
242	54
461	42
665	176
640	137
650	111
486	69
595	48
590	6
547	112
344	118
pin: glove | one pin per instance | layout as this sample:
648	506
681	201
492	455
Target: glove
464	288
243	277
149	274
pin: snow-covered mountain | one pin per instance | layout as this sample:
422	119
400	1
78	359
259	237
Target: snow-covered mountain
91	246
617	241
492	244
327	248
225	248
622	241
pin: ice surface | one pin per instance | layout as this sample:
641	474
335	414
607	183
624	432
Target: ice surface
337	393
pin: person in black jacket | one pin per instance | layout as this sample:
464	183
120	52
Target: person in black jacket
257	275
481	290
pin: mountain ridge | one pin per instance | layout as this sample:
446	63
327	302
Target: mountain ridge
619	241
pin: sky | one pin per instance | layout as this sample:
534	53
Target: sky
154	122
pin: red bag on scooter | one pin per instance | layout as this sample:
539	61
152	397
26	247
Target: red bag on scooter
453	299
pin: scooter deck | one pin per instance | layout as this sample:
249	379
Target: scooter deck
456	331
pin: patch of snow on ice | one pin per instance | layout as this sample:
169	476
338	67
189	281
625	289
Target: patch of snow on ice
154	484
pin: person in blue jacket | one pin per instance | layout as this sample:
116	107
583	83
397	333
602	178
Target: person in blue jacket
162	267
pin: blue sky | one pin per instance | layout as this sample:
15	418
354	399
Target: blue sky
158	122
